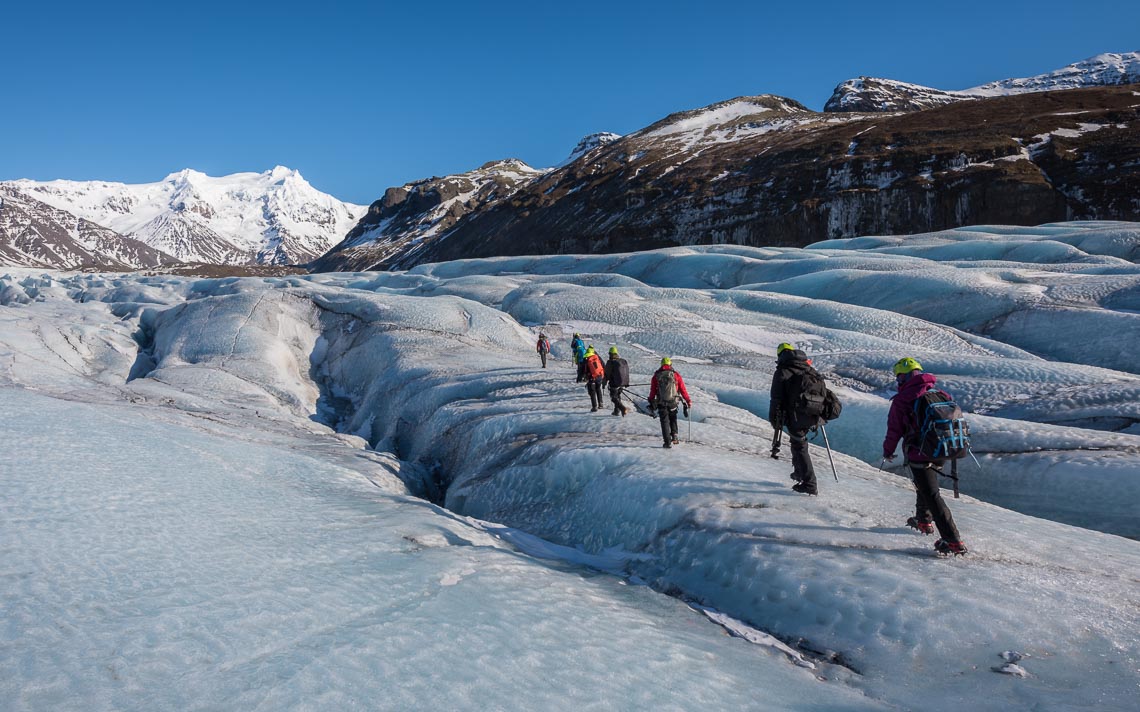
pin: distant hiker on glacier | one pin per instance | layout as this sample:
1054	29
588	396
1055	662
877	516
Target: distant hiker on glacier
665	389
595	373
916	392
542	347
578	352
617	378
798	393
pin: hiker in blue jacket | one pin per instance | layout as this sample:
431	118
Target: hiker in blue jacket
578	349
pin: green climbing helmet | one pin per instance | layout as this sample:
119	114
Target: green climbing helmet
613	351
784	347
666	361
590	351
906	365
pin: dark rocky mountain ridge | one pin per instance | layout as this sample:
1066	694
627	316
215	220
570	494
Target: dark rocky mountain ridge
768	171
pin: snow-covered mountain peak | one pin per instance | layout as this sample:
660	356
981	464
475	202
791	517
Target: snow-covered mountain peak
1105	69
280	173
880	95
589	143
506	165
273	217
185	176
734	112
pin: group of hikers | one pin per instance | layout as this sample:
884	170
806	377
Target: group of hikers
925	419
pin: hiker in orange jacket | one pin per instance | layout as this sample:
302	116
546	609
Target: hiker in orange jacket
595	372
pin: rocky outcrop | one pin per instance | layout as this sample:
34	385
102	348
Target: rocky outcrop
871	94
407	220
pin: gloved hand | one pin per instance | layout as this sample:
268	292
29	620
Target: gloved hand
889	458
685	408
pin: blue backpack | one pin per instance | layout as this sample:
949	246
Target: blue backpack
943	433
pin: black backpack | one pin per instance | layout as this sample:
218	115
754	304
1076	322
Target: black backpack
943	433
831	406
810	394
814	399
621	372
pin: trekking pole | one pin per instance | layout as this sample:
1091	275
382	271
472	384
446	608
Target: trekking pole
776	436
954	476
882	464
689	437
829	457
974	458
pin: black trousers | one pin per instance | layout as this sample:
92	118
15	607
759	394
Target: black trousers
801	459
581	371
594	388
668	418
542	355
928	504
615	398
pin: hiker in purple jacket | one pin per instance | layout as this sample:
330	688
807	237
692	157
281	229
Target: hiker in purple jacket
901	425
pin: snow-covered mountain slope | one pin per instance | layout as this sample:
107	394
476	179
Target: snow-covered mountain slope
35	234
274	217
282	561
410	218
873	94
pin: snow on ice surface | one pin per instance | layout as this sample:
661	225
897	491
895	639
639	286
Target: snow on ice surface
282	564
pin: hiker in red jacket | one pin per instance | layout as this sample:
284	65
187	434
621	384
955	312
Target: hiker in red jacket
902	425
665	389
543	348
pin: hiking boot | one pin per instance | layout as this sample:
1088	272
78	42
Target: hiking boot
594	409
924	527
947	548
797	477
676	441
804	488
667	444
615	412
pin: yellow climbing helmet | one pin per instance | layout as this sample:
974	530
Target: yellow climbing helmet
906	365
590	351
613	351
784	347
666	361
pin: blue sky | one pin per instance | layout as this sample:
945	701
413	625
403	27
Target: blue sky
360	96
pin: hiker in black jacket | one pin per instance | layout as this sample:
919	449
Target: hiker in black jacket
617	378
787	382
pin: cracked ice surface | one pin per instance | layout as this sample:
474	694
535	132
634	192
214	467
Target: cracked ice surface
192	519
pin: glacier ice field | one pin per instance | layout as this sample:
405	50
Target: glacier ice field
360	490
